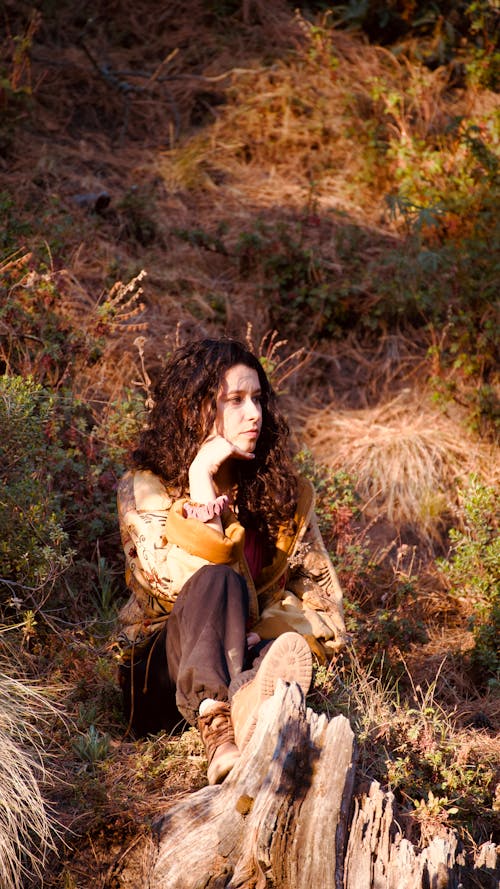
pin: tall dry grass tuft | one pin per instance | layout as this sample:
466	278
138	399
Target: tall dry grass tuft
27	833
405	456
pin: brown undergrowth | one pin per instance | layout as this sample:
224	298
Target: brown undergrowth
244	169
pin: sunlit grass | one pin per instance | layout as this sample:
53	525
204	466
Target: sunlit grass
27	832
406	457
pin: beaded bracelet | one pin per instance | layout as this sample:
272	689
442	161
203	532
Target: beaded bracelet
205	512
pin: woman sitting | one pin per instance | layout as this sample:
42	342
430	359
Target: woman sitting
223	555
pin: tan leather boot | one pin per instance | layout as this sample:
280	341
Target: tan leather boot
289	658
217	734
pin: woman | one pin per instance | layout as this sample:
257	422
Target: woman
222	555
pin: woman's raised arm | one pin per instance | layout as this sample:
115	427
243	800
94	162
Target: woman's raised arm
206	473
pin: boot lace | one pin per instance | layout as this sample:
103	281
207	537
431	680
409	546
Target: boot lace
216	728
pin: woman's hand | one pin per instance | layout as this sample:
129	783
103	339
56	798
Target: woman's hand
252	639
214	451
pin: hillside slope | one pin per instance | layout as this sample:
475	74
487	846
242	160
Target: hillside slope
324	183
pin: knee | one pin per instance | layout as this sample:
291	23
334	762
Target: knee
221	573
225	578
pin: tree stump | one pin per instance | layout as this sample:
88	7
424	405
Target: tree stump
279	818
282	820
379	857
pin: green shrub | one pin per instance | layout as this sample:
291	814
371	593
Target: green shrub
438	772
334	490
14	229
463	33
34	549
337	511
85	416
473	572
87	463
57	493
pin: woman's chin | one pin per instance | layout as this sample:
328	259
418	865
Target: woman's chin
249	448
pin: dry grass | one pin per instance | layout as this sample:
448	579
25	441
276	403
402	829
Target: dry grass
27	831
405	456
285	123
285	132
445	655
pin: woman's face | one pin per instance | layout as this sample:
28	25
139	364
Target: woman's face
239	410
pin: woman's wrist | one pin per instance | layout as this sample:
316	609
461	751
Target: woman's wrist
201	484
202	491
205	512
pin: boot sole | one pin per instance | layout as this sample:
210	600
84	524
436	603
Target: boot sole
289	659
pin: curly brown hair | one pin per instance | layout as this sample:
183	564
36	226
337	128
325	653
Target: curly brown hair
185	405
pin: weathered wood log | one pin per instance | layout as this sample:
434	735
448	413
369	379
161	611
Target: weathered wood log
379	857
282	820
279	818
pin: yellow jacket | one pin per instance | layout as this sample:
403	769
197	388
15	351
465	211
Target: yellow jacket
298	591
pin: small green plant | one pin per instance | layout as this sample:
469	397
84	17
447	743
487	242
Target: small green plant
431	812
293	280
15	79
387	628
198	237
473	571
137	211
14	229
337	508
104	593
160	755
93	746
336	495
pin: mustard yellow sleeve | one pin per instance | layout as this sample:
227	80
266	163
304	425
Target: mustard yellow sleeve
200	540
162	547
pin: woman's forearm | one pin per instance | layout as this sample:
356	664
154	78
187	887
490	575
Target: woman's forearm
202	490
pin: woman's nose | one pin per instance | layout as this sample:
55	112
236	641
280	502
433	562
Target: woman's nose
252	409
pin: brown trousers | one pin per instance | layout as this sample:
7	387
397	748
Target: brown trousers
197	655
